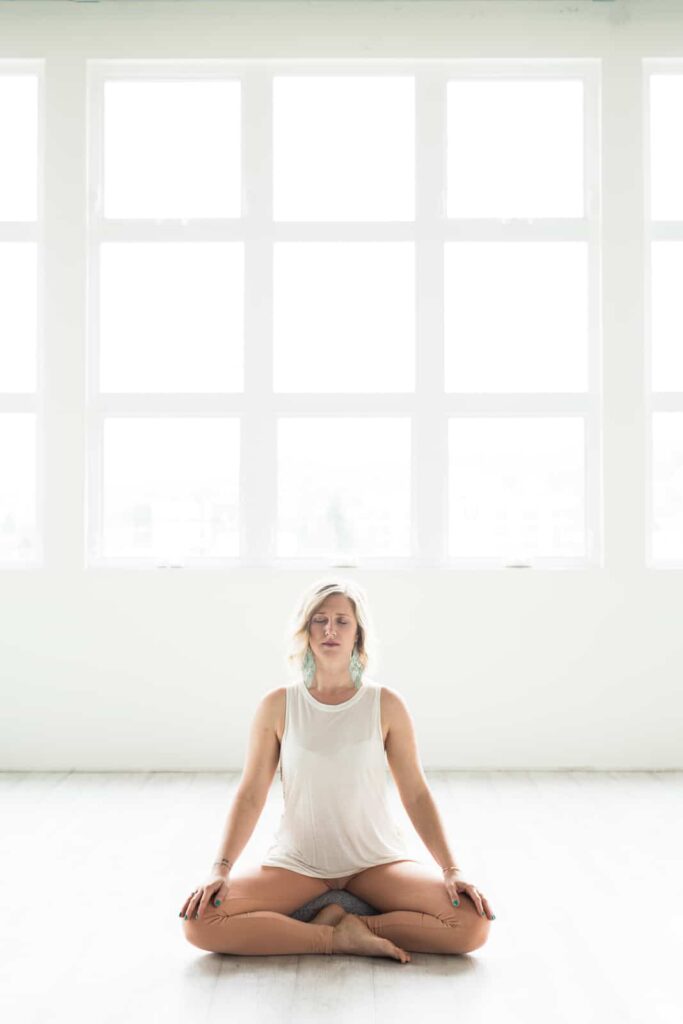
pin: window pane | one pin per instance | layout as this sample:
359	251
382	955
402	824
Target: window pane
171	316
666	147
344	316
343	487
516	487
343	147
172	149
18	147
515	148
667	483
170	487
17	487
667	316
516	316
18	316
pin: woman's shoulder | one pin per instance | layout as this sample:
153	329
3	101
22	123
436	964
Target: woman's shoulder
278	692
274	704
388	695
384	688
274	694
391	700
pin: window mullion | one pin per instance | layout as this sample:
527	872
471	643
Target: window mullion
430	447
258	425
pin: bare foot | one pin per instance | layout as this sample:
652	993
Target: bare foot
351	935
332	914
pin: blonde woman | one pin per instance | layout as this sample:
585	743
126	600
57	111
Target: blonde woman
331	730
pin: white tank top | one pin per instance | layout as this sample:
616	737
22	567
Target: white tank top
336	820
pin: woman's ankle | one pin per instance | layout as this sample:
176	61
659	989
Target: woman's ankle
331	914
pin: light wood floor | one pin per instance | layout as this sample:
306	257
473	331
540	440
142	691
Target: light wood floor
584	871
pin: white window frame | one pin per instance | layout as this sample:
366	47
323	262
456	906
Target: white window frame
654	230
32	231
429	407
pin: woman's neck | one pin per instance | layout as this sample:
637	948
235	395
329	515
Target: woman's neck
326	682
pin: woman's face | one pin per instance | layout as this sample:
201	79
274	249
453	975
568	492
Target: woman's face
333	621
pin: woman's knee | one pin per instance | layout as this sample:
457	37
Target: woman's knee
472	934
201	935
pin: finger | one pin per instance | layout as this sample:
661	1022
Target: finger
220	896
456	893
183	909
208	895
192	904
487	907
476	899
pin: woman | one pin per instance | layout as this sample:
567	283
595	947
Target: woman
330	730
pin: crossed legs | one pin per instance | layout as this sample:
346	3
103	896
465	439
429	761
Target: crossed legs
416	914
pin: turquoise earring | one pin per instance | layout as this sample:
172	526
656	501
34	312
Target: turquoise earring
356	668
308	667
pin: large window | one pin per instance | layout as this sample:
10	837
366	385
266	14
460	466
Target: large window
343	313
21	216
337	313
663	92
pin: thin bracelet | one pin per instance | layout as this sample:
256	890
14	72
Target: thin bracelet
224	861
452	866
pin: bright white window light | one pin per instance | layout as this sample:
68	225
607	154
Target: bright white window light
344	316
515	148
18	316
171	316
516	487
667	485
17	487
344	487
172	149
516	316
666	147
170	487
667	315
18	147
343	147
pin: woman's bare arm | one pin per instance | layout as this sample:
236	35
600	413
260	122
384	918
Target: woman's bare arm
263	755
405	764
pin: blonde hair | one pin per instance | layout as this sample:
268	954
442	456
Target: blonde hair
310	601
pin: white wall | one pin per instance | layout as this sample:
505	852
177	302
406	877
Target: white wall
511	669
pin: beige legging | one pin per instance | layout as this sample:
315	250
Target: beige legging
416	912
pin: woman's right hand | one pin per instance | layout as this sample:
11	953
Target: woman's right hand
215	888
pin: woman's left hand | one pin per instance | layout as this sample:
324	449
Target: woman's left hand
455	884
